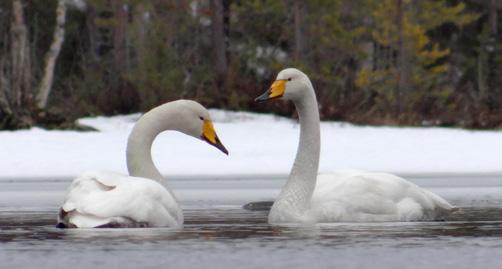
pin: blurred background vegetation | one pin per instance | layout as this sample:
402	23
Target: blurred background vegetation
397	62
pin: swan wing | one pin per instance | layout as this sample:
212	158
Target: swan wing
107	199
363	196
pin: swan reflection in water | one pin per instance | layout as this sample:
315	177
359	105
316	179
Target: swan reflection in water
233	224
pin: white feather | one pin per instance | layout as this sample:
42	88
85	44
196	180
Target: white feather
98	198
366	197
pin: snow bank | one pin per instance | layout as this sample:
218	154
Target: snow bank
258	144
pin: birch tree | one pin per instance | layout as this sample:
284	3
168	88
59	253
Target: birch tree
20	61
15	70
51	56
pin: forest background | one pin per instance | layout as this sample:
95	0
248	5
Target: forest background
392	62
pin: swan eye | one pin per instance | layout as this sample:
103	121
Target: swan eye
289	79
201	118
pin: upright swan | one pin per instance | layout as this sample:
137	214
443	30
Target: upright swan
339	197
107	199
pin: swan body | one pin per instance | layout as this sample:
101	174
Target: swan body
371	197
353	196
106	199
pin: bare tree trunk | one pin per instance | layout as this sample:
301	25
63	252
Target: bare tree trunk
140	25
52	56
140	39
5	109
226	27
491	47
92	31
482	88
400	61
4	85
454	60
21	65
220	37
119	38
487	65
298	10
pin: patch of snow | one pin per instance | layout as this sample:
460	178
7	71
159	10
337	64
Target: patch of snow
259	144
110	124
224	116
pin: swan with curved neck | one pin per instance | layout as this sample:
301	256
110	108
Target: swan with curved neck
107	199
350	196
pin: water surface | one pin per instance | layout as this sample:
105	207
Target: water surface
218	233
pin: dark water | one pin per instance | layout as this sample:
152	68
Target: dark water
219	234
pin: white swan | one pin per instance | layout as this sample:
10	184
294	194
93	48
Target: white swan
344	196
107	199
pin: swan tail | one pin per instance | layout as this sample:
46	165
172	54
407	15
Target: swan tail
442	208
442	204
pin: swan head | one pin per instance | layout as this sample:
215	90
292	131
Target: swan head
194	120
290	84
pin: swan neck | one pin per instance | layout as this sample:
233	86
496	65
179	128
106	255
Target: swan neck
139	144
298	191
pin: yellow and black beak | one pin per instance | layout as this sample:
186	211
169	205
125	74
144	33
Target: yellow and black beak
275	91
209	135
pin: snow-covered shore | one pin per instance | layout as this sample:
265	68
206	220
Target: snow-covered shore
259	144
